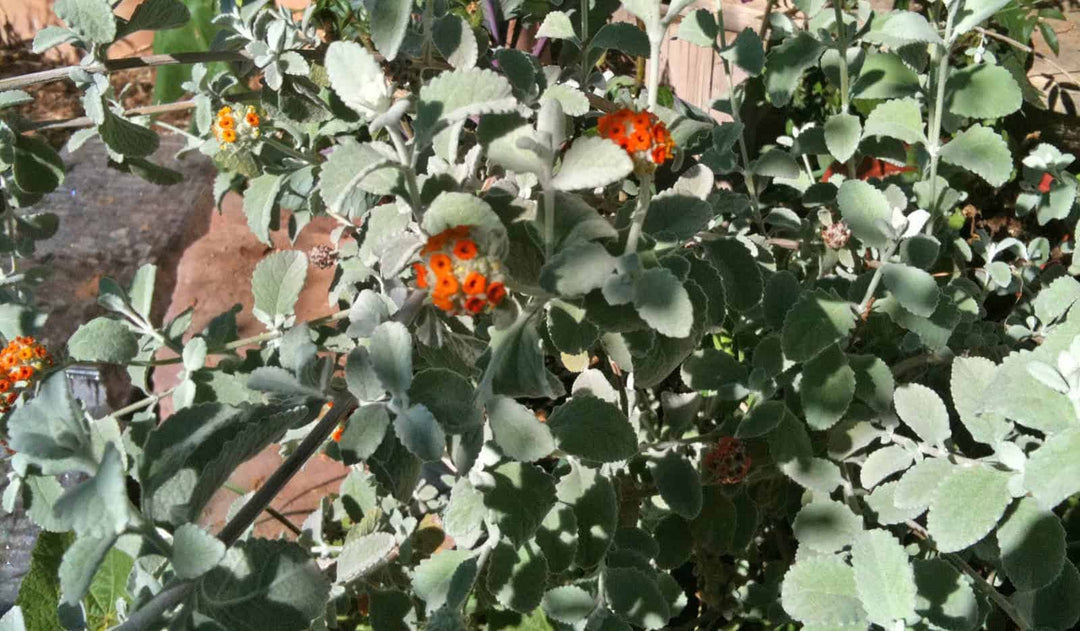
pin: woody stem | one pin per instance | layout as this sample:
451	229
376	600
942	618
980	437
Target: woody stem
638	219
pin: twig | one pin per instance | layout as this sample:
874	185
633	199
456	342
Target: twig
1015	44
126	63
270	510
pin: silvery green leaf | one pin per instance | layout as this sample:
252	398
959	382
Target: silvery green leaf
678	482
967	506
762	419
52	36
1048	376
635	597
945	597
92	20
591	162
568	604
593	429
884	578
518	499
276	285
899	118
195	551
842	134
76	572
556	25
1056	606
99	506
827	389
452	209
51	431
389	22
573	101
699	28
662	301
982	91
455	40
362	554
821	590
864	208
746	52
421	434
899	28
883	503
1053	470
456	95
517	430
364	432
883	463
826	526
103	340
260	204
517	578
817	321
983	152
391	356
918	485
973	12
915	290
921	409
357	78
1032	544
786	65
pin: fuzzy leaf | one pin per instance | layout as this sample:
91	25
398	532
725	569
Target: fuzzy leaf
519	500
865	208
1056	606
915	290
967	506
1053	471
921	409
593	429
983	152
973	12
391	356
1032	544
92	20
568	604
662	302
421	434
786	65
678	483
103	340
636	598
556	25
276	285
971	377
195	551
982	91
842	133
826	526
899	118
517	578
828	386
389	22
883	577
821	590
746	52
592	162
357	78
517	430
817	321
360	555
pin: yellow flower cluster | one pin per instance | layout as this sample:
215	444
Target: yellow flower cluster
460	277
229	128
21	362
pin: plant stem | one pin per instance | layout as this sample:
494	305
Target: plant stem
736	116
406	160
126	63
876	279
642	209
845	79
655	40
585	69
141	404
941	55
270	510
549	220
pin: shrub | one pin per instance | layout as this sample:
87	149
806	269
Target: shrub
578	383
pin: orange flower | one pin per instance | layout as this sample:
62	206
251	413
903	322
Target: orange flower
338	431
441	264
5	385
225	111
475	283
26	373
421	275
228	135
465	249
12	397
641	134
252	118
443	303
26	353
496	292
446	286
226	122
474	304
41	352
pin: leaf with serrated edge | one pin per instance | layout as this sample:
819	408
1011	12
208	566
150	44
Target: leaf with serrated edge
921	409
568	604
982	91
883	463
899	118
1032	544
884	579
592	162
360	555
827	389
967	506
517	431
821	590
983	152
970	378
1053	470
195	551
826	526
842	133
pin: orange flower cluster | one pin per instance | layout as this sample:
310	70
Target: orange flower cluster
641	134
459	276
726	462
20	363
229	130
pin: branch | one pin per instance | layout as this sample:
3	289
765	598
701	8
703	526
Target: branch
1012	42
126	63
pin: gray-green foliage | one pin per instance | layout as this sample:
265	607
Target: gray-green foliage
833	403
